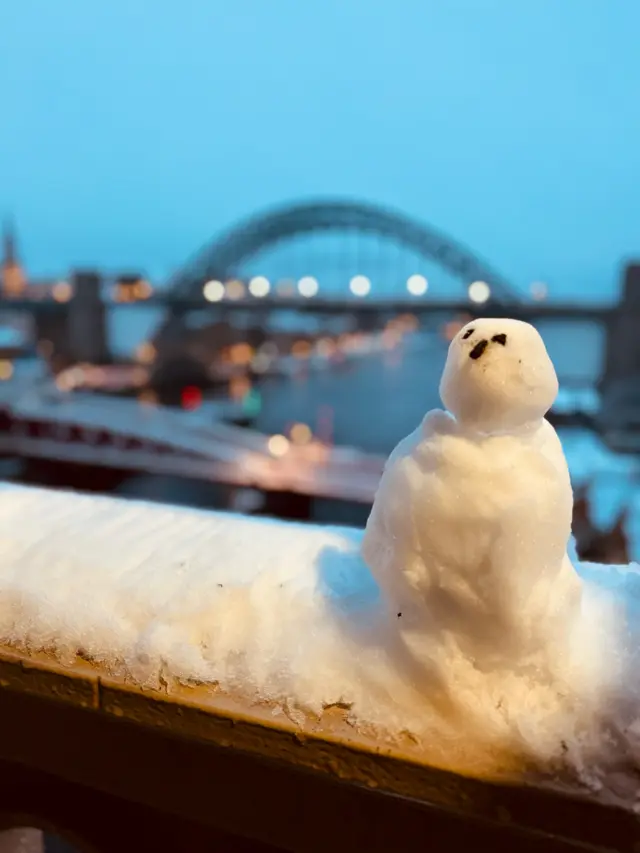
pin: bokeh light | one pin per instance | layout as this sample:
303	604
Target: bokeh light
235	289
278	445
62	291
479	292
259	286
308	286
417	285
360	285
213	291
300	434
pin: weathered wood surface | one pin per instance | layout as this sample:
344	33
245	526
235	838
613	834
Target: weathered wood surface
117	768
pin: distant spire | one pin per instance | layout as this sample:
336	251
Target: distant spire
13	279
9	254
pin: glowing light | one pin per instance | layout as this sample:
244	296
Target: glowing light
142	289
539	290
252	402
479	291
301	349
6	370
259	286
235	289
360	285
62	291
65	381
191	397
417	285
325	347
308	286
240	353
300	434
391	337
278	445
213	291
146	353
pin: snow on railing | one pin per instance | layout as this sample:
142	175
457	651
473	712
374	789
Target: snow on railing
459	620
280	613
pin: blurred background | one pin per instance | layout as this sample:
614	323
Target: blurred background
237	239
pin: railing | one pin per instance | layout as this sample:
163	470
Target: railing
114	767
117	769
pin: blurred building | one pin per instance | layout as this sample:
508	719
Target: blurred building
13	277
131	288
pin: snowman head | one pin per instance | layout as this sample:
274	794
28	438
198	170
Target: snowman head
498	376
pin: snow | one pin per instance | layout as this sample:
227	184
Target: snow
460	619
274	612
498	375
468	541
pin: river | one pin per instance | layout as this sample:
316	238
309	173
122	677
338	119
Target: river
376	400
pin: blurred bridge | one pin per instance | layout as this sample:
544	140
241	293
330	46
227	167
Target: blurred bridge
123	435
226	258
376	262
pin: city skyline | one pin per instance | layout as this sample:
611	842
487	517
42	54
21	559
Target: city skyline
135	139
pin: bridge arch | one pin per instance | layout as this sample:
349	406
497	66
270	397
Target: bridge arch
221	258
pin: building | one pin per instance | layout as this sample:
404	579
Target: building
13	277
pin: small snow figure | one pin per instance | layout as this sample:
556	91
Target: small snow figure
468	534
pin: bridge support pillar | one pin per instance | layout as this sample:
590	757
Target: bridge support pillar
622	356
620	410
86	320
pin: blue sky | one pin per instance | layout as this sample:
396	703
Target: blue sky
134	131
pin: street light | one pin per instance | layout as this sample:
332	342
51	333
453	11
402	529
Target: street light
213	291
479	292
308	286
235	289
259	286
360	285
417	285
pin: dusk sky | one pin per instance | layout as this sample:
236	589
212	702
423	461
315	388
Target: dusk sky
133	131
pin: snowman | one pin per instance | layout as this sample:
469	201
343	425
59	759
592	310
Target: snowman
468	534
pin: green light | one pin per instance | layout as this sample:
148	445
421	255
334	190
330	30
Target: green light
252	402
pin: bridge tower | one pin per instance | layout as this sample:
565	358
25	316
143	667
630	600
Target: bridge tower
86	320
622	358
13	277
619	416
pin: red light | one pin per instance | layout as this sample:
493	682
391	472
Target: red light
191	397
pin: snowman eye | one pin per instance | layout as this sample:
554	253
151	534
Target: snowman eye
468	334
500	339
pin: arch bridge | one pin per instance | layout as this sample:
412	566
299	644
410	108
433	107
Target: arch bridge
227	257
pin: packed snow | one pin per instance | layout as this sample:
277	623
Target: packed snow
460	620
274	612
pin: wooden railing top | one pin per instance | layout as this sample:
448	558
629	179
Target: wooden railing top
330	748
171	748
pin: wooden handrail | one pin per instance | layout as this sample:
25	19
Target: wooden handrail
86	754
